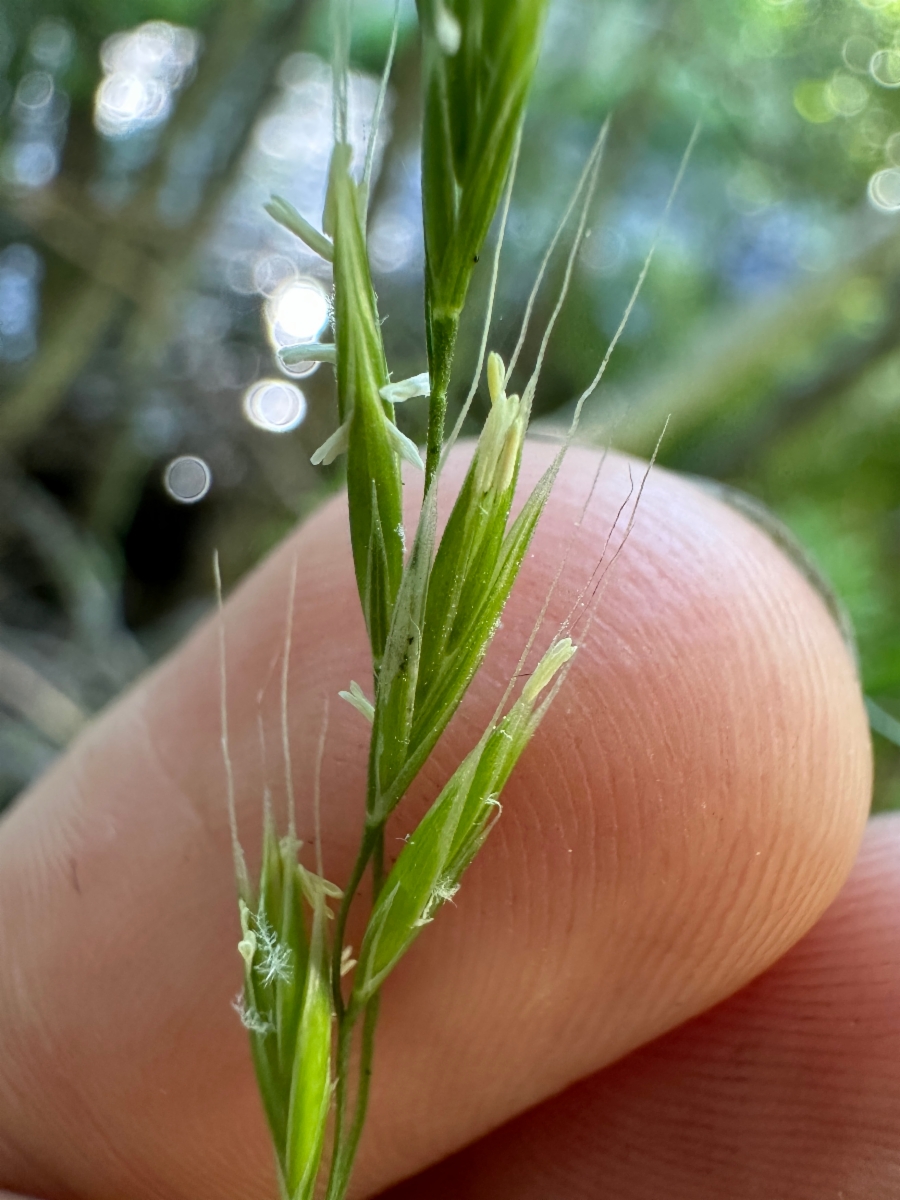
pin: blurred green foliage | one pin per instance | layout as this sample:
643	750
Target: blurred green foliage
140	283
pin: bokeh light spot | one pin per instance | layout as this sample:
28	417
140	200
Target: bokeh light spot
30	164
21	269
187	479
393	242
884	189
857	53
885	68
272	273
810	101
35	90
143	69
892	149
274	405
299	312
846	95
52	43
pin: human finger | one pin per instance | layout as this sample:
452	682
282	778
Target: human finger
689	807
789	1090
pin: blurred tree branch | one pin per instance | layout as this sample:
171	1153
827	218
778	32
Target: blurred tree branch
137	254
85	575
68	345
792	405
29	695
742	358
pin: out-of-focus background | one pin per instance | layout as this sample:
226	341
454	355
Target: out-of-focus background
144	416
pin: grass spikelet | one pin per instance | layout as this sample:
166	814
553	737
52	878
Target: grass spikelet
430	866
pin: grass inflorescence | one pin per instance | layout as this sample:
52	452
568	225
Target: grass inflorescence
430	609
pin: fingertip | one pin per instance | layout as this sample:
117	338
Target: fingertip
691	804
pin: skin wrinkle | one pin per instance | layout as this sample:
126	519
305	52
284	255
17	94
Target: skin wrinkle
775	882
533	984
542	971
561	877
445	1050
746	941
783	903
42	1042
657	840
749	870
584	838
773	731
818	724
191	802
67	1098
547	821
